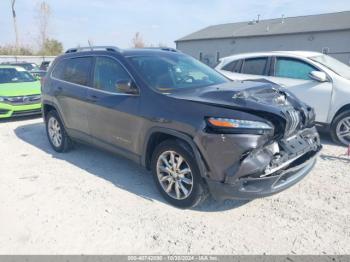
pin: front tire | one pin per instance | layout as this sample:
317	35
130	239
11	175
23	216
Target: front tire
56	133
177	175
340	129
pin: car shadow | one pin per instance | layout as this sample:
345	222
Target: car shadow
19	118
326	138
133	178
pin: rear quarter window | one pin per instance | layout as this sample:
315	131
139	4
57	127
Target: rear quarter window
74	70
233	66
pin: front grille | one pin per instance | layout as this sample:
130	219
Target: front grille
27	112
293	122
23	100
3	111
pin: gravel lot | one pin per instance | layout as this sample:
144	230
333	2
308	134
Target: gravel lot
91	202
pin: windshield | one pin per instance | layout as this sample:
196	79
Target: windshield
12	75
174	72
333	64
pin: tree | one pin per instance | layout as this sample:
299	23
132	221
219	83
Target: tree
13	50
137	41
15	22
43	17
51	47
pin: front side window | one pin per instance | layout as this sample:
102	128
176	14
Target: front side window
173	72
12	75
74	70
108	73
293	68
254	66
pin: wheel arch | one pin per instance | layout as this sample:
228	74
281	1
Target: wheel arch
341	110
157	135
49	106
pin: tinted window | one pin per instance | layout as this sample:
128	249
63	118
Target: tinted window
108	72
74	70
254	66
234	66
292	68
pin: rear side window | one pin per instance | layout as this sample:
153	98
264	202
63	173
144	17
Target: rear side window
254	66
74	70
233	66
293	68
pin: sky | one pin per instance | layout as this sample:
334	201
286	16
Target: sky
115	22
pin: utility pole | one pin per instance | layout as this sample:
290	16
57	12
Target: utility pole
15	24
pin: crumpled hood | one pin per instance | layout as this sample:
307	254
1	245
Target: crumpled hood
249	96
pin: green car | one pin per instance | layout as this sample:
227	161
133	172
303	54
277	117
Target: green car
20	92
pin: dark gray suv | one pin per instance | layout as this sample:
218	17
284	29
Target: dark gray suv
198	132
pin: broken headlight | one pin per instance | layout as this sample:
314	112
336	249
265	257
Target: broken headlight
229	125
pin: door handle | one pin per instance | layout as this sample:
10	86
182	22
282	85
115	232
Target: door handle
92	98
58	90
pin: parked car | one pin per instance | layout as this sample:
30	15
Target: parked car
45	65
317	79
19	92
32	68
197	131
38	74
26	65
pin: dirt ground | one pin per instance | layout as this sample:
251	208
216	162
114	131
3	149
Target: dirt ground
91	202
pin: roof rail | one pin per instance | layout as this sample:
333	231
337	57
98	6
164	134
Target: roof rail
170	49
93	48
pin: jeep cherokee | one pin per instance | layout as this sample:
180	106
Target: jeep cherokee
197	131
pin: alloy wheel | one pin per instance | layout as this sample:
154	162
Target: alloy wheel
343	130
55	132
174	175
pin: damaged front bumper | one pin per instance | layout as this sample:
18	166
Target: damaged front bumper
269	169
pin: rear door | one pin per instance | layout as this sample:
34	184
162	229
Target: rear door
293	74
113	115
72	79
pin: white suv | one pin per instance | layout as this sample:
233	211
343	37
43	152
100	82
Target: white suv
319	80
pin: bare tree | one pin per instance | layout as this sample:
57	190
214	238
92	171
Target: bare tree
15	23
137	41
43	16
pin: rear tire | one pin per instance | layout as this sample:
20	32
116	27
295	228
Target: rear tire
340	129
176	174
56	133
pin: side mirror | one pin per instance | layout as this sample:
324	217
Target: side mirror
318	76
127	87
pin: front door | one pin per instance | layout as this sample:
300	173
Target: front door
113	115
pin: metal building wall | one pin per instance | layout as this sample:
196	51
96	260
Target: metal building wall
336	43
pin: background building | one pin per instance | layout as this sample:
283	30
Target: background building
327	33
